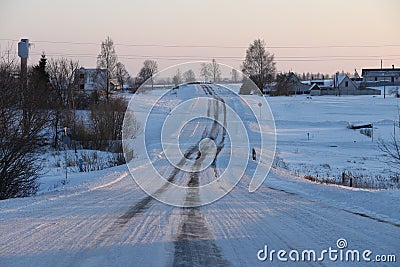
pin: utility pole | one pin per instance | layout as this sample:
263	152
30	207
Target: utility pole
384	80
384	85
67	141
372	133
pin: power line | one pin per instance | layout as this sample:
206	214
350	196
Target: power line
206	58
194	57
215	57
232	58
213	46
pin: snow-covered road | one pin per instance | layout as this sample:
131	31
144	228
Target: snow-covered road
118	225
110	221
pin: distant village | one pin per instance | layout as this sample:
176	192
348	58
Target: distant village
342	84
339	84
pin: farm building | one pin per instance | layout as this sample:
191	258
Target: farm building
382	76
289	85
342	85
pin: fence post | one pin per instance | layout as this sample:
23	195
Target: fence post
372	134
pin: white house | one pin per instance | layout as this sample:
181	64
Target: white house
344	84
341	85
91	79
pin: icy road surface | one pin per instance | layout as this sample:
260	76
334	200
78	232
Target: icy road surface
110	221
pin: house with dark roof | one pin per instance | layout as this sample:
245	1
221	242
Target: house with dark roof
380	77
315	90
296	86
290	85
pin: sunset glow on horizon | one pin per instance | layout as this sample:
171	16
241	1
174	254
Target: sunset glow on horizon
305	36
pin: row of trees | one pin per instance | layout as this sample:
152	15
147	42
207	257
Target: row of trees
320	76
312	76
210	71
259	65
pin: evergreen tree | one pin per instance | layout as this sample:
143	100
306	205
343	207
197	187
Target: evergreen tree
39	71
36	95
283	84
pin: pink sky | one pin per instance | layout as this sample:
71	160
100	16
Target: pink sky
323	25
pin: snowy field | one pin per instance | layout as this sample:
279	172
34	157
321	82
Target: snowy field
313	138
54	175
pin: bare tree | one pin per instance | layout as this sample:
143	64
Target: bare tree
391	150
150	67
62	74
205	71
121	74
107	119
107	59
177	79
189	76
215	71
259	64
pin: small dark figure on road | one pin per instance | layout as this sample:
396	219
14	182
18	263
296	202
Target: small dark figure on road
80	164
253	153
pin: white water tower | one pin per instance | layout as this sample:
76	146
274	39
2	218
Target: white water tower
23	48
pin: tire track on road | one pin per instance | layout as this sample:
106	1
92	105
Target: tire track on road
144	203
194	245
